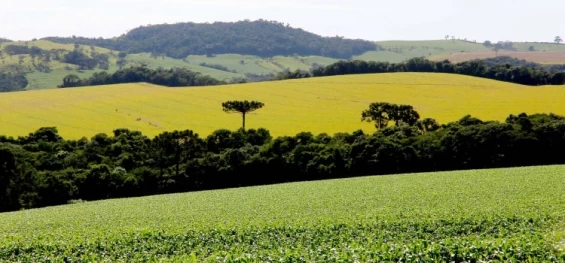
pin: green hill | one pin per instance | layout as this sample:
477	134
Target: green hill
259	38
398	51
55	69
254	51
499	215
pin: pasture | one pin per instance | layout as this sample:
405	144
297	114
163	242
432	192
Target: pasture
498	215
549	57
319	105
459	51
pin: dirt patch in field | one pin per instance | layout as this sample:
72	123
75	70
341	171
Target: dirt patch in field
553	57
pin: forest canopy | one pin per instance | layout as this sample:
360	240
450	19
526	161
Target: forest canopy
260	38
43	169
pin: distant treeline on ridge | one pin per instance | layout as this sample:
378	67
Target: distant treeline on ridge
176	77
260	38
526	75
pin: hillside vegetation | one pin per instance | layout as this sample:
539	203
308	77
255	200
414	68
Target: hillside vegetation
291	106
550	57
261	38
459	51
47	68
500	215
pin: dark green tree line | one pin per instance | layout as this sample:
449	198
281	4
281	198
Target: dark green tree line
176	77
523	74
12	81
43	169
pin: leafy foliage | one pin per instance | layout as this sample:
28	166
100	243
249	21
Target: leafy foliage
44	169
77	57
242	107
176	77
261	38
505	60
525	75
382	113
216	66
12	81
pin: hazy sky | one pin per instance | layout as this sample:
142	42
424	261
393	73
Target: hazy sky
515	20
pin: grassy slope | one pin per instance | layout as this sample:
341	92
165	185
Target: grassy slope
252	64
258	65
398	51
329	104
504	213
545	57
168	62
40	80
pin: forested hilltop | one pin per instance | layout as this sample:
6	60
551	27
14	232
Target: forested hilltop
261	38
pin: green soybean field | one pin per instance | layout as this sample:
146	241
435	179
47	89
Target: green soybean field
497	215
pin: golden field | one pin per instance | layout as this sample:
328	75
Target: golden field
329	104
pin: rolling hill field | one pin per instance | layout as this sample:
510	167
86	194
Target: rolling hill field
550	57
240	65
459	51
318	105
499	215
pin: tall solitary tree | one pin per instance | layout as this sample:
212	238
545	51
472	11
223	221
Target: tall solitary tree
242	107
558	40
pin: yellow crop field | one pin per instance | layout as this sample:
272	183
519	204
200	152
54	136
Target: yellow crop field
329	104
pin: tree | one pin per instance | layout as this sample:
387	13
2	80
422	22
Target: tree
71	80
242	107
378	112
8	174
404	114
531	48
558	40
446	37
487	43
382	113
121	63
427	125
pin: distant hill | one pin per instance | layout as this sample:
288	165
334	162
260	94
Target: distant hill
259	38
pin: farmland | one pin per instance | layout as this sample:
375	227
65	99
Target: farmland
491	215
550	57
459	51
239	65
319	105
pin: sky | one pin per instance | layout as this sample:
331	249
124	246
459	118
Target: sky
495	20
